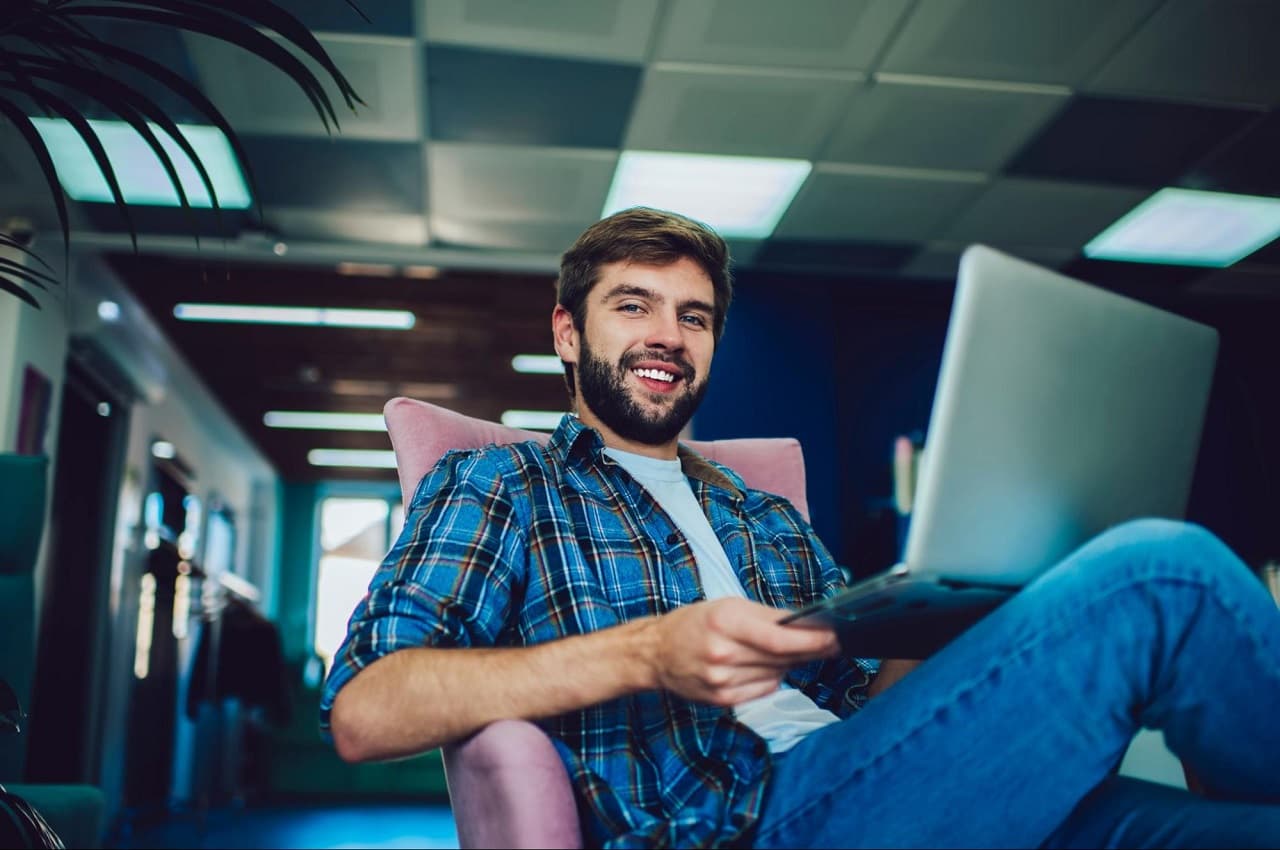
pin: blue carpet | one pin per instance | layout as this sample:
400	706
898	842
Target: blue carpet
303	826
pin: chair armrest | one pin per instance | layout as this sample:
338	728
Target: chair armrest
509	788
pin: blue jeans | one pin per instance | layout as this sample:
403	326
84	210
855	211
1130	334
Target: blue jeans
1010	736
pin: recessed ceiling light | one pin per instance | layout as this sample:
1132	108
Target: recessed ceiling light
326	421
163	449
537	364
739	196
532	420
400	320
363	458
108	311
1190	227
142	178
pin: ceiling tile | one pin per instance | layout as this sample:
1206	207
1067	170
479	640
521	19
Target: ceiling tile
941	260
864	204
258	98
507	98
1247	165
1128	142
617	30
892	123
1253	283
1041	215
349	176
750	113
834	256
545	237
846	34
504	182
162	44
1193	50
1267	255
1044	42
386	17
306	224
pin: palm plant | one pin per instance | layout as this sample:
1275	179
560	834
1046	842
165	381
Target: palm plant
52	64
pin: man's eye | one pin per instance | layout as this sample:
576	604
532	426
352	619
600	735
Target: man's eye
630	308
696	320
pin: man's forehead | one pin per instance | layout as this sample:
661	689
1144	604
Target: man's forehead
683	279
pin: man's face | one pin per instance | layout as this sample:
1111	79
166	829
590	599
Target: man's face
645	354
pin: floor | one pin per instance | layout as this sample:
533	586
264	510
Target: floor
310	825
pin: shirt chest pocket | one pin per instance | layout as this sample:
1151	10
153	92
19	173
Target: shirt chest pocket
625	560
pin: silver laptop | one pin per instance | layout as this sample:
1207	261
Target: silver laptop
1061	409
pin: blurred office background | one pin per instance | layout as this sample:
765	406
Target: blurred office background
212	519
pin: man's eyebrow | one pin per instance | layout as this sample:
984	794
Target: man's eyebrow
633	289
694	304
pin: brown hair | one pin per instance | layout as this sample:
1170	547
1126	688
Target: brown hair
647	236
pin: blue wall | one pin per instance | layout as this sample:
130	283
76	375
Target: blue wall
772	377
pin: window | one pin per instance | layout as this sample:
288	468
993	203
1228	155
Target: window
355	534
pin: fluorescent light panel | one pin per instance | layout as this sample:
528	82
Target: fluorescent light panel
325	421
400	320
362	458
739	196
142	178
532	420
537	364
1190	227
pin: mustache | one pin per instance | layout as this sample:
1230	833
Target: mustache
684	367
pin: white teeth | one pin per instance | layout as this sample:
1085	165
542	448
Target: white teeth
655	374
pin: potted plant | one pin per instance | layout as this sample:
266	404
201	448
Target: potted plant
48	49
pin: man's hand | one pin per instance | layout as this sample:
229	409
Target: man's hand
728	651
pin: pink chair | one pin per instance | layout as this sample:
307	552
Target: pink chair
507	785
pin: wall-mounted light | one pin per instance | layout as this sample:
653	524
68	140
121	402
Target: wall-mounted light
108	311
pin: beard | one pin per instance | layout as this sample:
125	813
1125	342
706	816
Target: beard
604	390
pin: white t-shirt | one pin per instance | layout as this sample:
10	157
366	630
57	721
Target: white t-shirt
783	717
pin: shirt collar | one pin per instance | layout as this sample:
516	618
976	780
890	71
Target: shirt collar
574	443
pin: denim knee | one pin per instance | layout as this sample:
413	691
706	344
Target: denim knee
1170	543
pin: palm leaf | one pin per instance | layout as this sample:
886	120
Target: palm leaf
68	55
185	90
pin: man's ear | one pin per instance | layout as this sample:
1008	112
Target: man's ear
565	334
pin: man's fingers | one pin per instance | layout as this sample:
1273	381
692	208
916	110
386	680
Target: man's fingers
789	643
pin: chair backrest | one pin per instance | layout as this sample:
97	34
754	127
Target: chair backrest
421	433
507	785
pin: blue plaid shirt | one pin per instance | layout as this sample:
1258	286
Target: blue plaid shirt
520	544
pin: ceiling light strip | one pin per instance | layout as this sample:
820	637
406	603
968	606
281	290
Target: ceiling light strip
355	458
311	316
537	364
324	420
533	420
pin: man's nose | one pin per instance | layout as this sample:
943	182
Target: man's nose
664	332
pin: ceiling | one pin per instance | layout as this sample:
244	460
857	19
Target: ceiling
493	128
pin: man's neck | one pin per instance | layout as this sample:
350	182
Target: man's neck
665	451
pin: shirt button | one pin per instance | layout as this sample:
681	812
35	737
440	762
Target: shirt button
673	539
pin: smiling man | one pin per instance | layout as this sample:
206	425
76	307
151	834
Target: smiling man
625	593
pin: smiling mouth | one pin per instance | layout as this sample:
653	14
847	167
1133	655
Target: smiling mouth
658	381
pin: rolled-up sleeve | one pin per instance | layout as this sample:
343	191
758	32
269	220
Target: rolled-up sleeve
450	577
